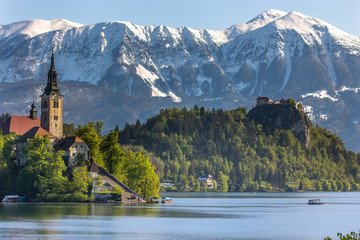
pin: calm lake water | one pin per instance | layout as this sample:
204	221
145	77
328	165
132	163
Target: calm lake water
191	216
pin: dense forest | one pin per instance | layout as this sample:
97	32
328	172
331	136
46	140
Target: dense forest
240	154
178	146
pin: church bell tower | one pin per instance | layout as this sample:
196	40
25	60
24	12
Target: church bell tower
52	104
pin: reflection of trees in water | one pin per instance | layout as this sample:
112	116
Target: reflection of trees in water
51	210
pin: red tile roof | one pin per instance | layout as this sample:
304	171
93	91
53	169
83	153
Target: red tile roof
35	131
66	143
19	124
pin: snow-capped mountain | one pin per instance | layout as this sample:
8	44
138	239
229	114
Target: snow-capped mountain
276	54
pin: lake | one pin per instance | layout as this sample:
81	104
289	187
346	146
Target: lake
191	216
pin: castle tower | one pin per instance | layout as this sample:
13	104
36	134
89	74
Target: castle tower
52	104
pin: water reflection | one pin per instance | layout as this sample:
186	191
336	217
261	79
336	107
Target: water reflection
191	216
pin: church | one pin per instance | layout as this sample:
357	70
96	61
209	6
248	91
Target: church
49	124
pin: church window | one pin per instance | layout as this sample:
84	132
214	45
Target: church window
55	103
75	146
80	146
73	154
56	118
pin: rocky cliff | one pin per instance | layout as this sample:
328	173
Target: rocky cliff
282	116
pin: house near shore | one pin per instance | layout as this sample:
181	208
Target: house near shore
105	184
207	181
73	146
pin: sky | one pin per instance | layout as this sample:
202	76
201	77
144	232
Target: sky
197	14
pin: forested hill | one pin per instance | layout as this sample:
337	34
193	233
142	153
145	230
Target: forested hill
240	154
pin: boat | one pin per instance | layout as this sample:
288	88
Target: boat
153	200
11	198
166	200
315	201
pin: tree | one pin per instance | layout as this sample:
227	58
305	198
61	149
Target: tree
291	101
140	174
113	155
223	182
4	117
90	133
79	186
305	184
197	186
326	185
42	176
348	236
69	129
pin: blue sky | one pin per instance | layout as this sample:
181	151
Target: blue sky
198	14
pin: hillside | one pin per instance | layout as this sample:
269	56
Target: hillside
275	54
228	143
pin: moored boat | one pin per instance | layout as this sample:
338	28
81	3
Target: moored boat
315	202
11	198
166	200
153	200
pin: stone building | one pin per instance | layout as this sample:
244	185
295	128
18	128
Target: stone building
72	147
105	183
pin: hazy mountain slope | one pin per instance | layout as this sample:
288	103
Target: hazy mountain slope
276	54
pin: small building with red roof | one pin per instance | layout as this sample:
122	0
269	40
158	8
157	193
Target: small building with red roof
72	146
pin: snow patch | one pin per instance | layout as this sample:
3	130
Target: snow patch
174	97
343	89
241	86
146	74
323	116
320	94
104	42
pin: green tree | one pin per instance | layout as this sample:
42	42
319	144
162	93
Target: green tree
90	133
69	130
305	184
347	186
140	175
197	186
42	176
317	185
113	155
339	185
326	186
223	182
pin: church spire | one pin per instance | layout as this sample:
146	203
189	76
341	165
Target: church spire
52	67
52	86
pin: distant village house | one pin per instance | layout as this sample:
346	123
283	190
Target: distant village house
207	181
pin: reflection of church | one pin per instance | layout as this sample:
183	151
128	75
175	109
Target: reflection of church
50	123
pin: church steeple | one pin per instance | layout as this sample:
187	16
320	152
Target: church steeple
51	104
52	82
33	112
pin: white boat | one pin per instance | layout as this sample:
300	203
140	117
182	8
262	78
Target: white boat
11	198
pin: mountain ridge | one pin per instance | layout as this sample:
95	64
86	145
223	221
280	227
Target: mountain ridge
271	55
